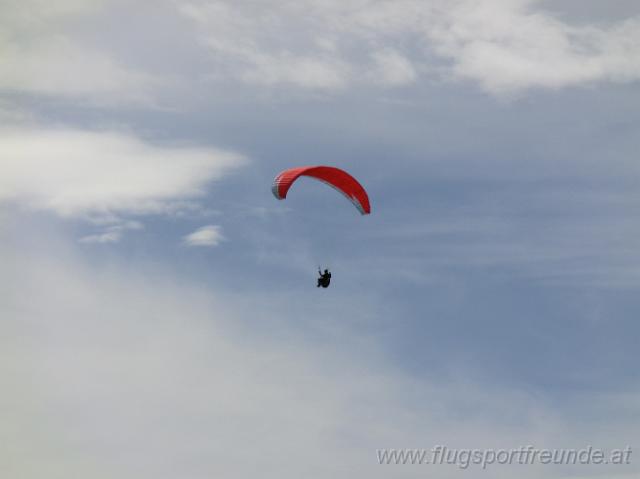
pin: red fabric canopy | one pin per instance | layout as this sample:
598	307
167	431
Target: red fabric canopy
334	177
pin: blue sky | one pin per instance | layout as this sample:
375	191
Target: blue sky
159	316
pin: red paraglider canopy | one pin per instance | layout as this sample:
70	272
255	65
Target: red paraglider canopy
334	177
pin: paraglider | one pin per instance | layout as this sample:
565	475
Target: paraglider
334	177
338	179
325	278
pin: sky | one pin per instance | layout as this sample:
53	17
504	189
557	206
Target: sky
159	316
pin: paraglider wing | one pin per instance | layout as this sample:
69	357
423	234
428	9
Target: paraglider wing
334	177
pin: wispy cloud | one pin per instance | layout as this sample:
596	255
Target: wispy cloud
148	377
210	235
392	68
505	46
106	237
113	233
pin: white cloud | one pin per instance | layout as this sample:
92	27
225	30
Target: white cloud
60	66
504	45
508	46
392	68
113	233
80	173
106	237
41	54
119	372
247	42
210	235
307	72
